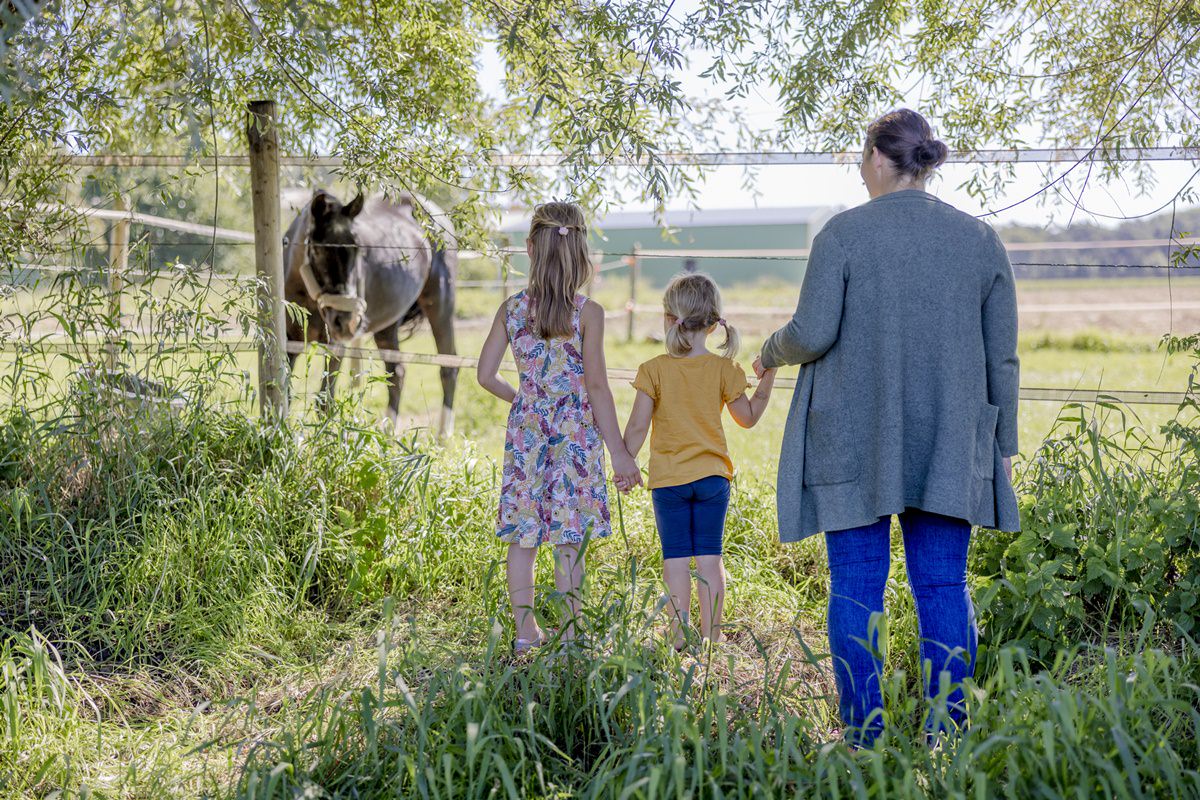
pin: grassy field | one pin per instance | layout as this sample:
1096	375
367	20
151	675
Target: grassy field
201	606
1121	356
1084	361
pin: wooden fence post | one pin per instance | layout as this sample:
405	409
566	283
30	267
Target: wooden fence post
635	274
263	139
118	263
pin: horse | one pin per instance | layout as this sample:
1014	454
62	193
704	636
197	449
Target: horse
368	268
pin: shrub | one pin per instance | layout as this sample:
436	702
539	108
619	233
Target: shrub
186	539
1110	538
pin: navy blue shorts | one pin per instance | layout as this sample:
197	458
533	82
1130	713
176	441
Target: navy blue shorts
691	517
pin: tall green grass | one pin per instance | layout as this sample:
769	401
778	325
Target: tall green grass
188	538
197	604
213	607
620	718
1110	540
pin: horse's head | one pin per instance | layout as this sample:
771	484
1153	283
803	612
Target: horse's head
332	272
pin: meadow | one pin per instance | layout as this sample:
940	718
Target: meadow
202	605
1055	353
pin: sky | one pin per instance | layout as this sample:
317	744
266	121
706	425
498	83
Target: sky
775	186
842	186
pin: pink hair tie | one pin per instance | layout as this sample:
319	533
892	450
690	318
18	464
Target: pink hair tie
721	322
562	230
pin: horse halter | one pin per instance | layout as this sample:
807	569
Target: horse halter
353	304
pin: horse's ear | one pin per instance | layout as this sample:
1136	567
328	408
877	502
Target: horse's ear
320	204
352	208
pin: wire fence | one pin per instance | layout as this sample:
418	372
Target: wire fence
1057	394
221	237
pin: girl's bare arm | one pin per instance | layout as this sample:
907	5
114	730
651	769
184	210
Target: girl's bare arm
747	411
490	356
604	410
639	423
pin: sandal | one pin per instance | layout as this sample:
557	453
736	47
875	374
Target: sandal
522	646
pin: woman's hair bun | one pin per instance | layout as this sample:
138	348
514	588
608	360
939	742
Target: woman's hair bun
930	153
907	140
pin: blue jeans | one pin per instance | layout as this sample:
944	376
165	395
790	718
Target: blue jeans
935	553
691	517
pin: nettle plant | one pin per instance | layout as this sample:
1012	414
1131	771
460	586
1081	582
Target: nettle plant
1110	539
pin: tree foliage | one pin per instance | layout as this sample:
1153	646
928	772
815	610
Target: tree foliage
401	88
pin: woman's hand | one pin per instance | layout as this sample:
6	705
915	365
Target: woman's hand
759	369
1008	467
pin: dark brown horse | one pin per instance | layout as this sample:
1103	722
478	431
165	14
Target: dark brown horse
367	267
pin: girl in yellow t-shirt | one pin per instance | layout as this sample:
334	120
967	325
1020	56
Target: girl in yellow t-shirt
683	393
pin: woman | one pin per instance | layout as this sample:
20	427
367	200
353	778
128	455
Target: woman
907	404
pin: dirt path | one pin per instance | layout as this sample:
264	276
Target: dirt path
1146	309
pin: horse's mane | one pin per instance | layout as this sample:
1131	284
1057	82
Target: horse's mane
443	226
410	202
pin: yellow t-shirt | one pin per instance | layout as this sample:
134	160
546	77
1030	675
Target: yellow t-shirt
687	442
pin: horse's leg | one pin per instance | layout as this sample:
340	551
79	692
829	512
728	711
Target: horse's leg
295	333
437	303
333	363
389	339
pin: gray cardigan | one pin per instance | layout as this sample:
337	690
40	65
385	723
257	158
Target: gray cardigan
907	332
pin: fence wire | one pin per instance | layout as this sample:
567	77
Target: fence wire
1057	394
218	237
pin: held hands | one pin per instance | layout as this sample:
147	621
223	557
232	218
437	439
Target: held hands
759	369
626	474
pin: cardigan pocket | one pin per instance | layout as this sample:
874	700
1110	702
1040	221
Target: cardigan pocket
985	441
829	455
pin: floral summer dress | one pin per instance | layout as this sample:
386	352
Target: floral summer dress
554	487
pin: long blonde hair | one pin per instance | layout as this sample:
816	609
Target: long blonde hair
694	300
559	266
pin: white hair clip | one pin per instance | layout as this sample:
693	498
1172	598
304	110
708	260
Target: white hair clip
562	230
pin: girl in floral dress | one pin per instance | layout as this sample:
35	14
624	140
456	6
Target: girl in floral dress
562	416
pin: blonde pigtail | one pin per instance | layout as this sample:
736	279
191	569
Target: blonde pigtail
678	344
733	341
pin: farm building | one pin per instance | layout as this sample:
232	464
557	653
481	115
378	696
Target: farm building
716	237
